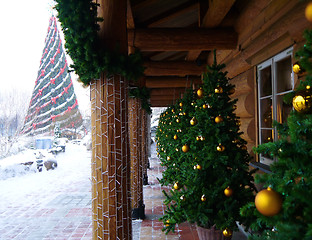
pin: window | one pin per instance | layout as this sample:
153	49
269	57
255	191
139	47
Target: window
275	79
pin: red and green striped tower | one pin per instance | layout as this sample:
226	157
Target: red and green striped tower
53	99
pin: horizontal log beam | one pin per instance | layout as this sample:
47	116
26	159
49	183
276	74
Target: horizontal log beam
171	82
167	91
173	68
161	103
181	39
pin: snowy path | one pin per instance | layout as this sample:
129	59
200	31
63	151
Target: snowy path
51	204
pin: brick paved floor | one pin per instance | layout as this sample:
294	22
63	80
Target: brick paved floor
57	204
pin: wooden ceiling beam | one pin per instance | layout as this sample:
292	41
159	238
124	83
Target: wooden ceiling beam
170	14
173	68
171	82
167	91
161	103
216	12
177	39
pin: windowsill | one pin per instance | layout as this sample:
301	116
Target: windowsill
263	167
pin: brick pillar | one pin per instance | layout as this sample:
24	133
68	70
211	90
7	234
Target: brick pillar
111	209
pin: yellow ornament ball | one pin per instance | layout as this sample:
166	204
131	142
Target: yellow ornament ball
178	120
176	186
302	102
198	138
168	158
218	119
296	68
203	198
200	93
198	167
308	12
181	104
228	192
175	137
268	202
220	148
308	87
182	198
227	232
185	148
193	121
219	90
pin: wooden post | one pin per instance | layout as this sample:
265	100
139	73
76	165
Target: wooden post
145	144
111	207
135	130
110	159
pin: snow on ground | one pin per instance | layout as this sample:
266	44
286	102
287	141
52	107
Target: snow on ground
73	164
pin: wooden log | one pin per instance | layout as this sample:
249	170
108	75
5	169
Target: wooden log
236	66
167	91
173	68
110	158
244	83
171	82
162	103
248	129
216	12
177	39
245	105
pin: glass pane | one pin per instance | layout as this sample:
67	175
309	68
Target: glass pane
282	109
283	75
266	113
266	135
265	82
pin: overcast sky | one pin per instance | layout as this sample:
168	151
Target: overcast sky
23	28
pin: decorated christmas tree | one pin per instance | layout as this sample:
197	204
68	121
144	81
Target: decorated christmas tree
207	160
53	99
284	209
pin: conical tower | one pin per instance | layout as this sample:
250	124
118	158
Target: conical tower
53	99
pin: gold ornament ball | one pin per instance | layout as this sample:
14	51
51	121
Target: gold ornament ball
268	202
200	92
302	102
228	192
184	113
219	90
175	137
193	121
203	198
296	68
227	232
185	148
202	138
198	167
168	158
205	106
182	198
308	12
177	150
218	119
220	148
172	110
178	120
198	138
308	87
176	186
181	104
167	223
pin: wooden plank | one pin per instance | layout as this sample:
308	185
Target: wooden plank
162	103
173	68
166	91
177	39
171	82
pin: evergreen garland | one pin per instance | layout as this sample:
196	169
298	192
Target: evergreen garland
80	26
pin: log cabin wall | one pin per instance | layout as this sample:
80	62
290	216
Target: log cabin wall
265	28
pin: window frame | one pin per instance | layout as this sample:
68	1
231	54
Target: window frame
271	62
